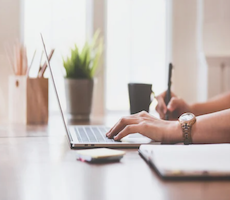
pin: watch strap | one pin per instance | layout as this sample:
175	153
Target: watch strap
186	128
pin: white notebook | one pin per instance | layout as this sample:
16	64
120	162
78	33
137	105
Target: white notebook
207	160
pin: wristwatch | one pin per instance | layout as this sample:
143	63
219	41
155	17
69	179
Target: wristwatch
187	120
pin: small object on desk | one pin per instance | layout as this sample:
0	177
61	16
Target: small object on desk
100	155
43	68
28	69
10	57
40	66
24	61
168	94
18	59
32	96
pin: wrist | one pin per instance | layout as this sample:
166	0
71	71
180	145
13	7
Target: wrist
174	133
193	108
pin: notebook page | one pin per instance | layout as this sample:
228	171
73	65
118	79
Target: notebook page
211	157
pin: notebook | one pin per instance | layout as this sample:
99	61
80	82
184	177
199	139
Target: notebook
177	161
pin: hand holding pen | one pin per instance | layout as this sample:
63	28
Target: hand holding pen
169	106
168	93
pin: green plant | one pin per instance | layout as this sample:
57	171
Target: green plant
83	64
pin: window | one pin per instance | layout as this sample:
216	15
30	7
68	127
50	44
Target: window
136	48
62	23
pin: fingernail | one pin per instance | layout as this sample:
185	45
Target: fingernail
115	138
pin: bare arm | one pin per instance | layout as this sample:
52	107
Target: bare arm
178	106
209	128
212	128
215	104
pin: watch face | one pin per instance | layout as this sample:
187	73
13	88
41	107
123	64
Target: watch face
186	117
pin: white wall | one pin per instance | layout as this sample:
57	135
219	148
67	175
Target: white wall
99	22
200	28
185	48
216	43
216	27
10	18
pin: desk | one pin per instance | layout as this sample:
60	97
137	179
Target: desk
37	164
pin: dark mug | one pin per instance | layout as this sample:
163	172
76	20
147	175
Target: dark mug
140	97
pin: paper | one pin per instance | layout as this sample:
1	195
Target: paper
190	158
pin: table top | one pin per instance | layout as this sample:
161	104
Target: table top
37	163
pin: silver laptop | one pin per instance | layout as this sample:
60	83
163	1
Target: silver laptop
93	136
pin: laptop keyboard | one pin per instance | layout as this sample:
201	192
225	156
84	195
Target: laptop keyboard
92	134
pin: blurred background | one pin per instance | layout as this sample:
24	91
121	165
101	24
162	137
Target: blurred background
141	37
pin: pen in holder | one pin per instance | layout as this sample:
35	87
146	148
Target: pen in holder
28	100
28	97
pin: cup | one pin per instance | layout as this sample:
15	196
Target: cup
140	97
28	100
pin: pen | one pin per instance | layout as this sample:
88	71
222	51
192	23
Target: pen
19	59
168	93
28	69
43	69
40	66
10	60
25	61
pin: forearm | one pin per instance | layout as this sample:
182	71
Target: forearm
215	104
212	128
209	128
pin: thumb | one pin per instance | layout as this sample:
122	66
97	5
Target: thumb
173	104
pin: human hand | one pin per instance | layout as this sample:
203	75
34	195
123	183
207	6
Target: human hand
176	106
147	125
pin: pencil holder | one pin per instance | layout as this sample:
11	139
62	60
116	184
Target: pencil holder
28	100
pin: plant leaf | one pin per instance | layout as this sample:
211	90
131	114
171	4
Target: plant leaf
84	63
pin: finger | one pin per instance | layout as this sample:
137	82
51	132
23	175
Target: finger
131	117
129	129
140	114
160	111
162	95
121	124
173	104
161	107
173	95
111	129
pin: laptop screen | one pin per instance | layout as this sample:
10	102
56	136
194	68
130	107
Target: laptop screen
55	88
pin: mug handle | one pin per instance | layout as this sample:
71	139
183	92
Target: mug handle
152	97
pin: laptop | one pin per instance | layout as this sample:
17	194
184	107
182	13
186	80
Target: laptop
93	136
188	161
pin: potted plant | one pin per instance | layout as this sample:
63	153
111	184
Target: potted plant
80	69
